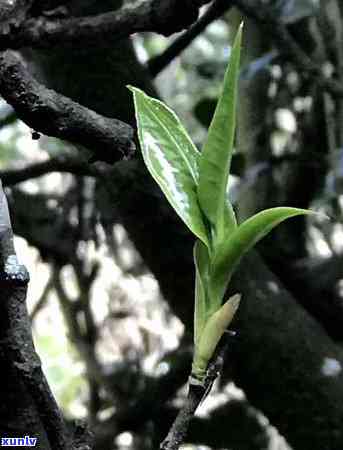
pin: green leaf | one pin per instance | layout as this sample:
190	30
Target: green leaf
210	337
216	154
201	261
241	241
171	158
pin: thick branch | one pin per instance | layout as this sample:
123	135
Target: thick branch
58	116
165	17
27	404
282	361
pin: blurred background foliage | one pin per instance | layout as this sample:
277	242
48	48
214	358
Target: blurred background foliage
101	325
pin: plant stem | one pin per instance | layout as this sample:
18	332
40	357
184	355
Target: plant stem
196	394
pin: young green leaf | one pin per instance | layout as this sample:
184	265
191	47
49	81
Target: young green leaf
171	158
196	186
211	334
217	151
241	241
201	261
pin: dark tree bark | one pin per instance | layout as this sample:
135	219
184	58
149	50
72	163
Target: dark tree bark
27	407
282	359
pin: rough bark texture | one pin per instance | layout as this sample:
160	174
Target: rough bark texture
27	406
165	17
58	116
282	354
21	419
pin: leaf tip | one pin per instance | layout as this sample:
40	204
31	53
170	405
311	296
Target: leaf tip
133	89
235	301
239	34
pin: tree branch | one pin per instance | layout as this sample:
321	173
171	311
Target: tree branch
58	164
165	17
21	367
197	392
56	115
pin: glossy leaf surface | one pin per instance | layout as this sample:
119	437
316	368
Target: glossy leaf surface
171	158
217	151
241	241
